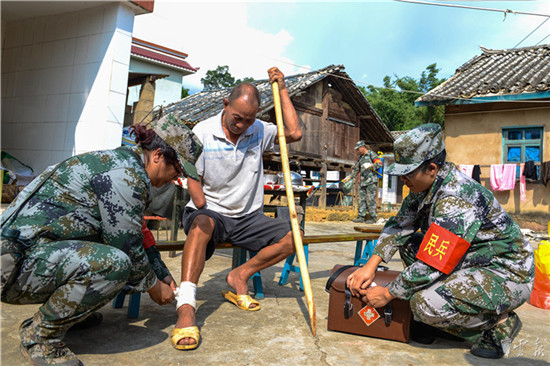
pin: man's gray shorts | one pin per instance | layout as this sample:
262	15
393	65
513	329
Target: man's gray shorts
253	231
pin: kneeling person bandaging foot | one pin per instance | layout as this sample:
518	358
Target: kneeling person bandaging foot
476	299
79	229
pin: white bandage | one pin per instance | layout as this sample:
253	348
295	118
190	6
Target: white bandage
367	165
185	294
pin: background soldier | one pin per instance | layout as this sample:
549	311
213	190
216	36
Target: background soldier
366	164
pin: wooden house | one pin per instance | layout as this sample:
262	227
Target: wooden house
497	111
333	113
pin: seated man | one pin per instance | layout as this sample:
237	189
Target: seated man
476	299
227	206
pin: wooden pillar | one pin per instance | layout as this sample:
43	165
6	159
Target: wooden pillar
324	146
323	198
146	103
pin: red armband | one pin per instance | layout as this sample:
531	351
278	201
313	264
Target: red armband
148	238
441	249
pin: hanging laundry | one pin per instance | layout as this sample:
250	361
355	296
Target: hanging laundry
466	169
545	172
503	177
530	171
522	195
476	173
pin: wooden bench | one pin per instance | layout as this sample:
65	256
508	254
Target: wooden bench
362	254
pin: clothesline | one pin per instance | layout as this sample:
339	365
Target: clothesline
503	176
489	165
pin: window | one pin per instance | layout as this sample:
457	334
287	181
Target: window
521	144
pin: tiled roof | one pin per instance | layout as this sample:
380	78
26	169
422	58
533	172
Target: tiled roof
160	54
496	73
200	106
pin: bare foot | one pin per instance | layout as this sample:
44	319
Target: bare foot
236	281
186	318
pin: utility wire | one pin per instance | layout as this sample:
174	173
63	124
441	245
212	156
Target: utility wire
505	11
548	35
533	31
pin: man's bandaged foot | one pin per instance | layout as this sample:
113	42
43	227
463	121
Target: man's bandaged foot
185	294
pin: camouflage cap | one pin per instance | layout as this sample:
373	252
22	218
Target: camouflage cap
180	138
359	144
415	147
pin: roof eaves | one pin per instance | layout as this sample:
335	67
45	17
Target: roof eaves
164	59
487	99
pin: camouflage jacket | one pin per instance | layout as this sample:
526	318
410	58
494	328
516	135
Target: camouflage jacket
368	176
98	196
457	202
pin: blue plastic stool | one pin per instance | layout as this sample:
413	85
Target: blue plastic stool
289	267
133	304
363	255
256	277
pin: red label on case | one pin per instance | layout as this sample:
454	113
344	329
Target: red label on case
369	315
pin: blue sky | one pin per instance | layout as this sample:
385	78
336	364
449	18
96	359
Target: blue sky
370	38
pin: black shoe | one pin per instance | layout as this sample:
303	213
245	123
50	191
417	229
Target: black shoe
359	220
440	333
422	333
495	342
91	321
426	334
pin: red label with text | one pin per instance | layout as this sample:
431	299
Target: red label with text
442	249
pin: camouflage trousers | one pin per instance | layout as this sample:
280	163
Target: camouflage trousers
71	279
367	201
466	302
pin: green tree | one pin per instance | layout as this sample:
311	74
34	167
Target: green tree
245	80
221	78
184	92
218	79
394	102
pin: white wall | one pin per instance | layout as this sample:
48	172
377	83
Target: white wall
64	81
389	194
167	90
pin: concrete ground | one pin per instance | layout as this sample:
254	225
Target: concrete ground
277	334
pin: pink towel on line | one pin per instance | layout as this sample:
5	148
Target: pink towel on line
466	169
503	177
522	195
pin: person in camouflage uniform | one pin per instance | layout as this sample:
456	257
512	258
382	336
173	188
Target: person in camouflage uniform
366	164
476	300
82	234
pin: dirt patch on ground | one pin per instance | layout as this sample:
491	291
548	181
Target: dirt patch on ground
315	214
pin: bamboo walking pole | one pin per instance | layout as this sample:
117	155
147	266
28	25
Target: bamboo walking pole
292	209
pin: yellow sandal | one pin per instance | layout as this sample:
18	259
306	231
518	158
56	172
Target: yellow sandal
241	301
190	332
